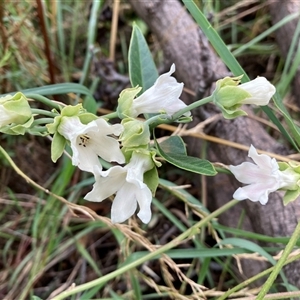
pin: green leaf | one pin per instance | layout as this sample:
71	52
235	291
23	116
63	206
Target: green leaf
59	88
173	144
291	124
142	70
90	104
173	151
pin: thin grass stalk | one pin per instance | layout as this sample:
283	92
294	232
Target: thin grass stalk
97	4
288	249
187	234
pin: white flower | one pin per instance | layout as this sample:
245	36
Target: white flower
127	183
90	141
162	96
260	89
263	177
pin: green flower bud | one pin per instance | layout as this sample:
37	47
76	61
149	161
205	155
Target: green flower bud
15	114
136	133
229	96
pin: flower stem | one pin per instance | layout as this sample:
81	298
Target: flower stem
37	111
192	106
44	100
288	249
42	121
187	234
110	116
166	119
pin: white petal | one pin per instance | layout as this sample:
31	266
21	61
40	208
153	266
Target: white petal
6	117
124	204
255	192
162	96
70	127
144	199
262	160
260	89
107	183
249	173
84	157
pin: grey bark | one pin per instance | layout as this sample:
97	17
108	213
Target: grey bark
284	34
198	67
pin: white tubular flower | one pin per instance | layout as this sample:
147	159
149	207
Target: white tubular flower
263	177
90	141
162	96
127	183
260	89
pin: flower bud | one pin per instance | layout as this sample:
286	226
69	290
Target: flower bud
229	96
15	114
136	133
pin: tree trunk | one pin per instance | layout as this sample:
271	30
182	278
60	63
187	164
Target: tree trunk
198	67
284	34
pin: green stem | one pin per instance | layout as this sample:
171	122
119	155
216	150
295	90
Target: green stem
288	249
42	121
165	119
187	234
192	106
38	129
246	283
112	115
37	111
44	100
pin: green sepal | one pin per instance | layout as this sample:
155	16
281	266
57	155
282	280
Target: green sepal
290	196
57	146
228	97
71	111
17	129
151	179
184	119
125	101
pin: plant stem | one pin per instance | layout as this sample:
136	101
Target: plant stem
166	119
277	268
187	234
44	100
248	281
37	111
110	116
192	106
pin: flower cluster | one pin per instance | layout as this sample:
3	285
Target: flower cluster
127	144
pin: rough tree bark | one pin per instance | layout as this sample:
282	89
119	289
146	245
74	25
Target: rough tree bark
198	67
284	34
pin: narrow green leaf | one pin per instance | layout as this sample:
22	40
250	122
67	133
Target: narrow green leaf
142	70
59	88
173	151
